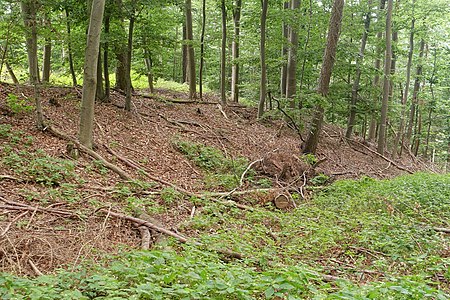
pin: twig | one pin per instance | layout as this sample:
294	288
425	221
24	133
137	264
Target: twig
35	269
12	205
9	177
12	222
193	212
381	155
241	181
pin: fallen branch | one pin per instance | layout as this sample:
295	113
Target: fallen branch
12	205
291	122
382	156
241	181
12	222
441	229
90	152
35	269
8	177
222	111
142	222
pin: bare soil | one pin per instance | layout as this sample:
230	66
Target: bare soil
39	241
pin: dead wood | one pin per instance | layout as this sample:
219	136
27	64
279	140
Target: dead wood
112	167
145	237
142	222
9	177
35	269
282	201
441	229
382	156
12	205
12	222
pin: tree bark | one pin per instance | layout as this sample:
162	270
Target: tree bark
90	76
100	91
432	104
386	82
291	74
223	96
262	53
190	51
129	86
184	57
202	48
355	87
235	52
29	11
47	55
329	58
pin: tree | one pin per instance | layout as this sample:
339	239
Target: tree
386	82
90	73
235	51
291	72
190	50
223	52
202	48
29	11
329	58
355	87
262	55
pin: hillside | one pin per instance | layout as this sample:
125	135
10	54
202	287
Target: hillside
208	175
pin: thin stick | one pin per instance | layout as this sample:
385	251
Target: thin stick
12	222
35	269
241	181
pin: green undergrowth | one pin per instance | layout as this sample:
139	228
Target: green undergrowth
377	236
220	171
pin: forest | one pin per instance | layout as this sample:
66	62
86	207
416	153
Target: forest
225	149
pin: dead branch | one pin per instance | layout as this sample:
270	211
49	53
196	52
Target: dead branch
145	237
381	155
112	167
142	222
291	122
12	205
12	222
9	177
222	111
35	269
241	181
441	229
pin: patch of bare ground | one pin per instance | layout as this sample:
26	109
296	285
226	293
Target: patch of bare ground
39	239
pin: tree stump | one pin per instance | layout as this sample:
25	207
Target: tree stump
282	201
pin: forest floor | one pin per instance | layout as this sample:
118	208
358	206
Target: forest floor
169	147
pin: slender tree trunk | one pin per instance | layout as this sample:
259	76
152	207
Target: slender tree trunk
105	59
29	11
355	87
100	91
329	58
90	76
417	133
69	46
129	86
223	97
406	91
412	111
284	52
308	36
386	81
235	52
149	65
262	48
432	104
373	128
291	76
11	73
184	56
202	48
190	51
8	66
47	55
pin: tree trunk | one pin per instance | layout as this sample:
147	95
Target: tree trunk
129	86
308	36
100	91
149	65
291	76
355	87
11	73
47	55
432	104
29	11
406	91
105	59
329	58
262	52
412	111
69	46
373	128
235	52
223	96
386	82
184	56
190	51
90	76
202	48
8	66
284	51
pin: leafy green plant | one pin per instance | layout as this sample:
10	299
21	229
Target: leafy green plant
18	105
170	195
